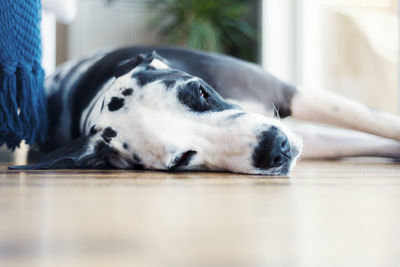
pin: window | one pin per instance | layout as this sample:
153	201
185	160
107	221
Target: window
346	46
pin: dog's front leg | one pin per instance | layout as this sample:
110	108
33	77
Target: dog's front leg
328	108
321	141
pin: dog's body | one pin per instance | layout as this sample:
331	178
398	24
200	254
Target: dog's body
131	108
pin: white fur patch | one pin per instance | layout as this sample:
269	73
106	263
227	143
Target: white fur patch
158	64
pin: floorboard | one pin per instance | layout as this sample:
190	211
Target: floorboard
328	213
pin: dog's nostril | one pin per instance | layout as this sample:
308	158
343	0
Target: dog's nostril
278	160
284	143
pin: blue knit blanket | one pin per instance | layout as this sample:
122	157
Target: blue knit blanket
22	99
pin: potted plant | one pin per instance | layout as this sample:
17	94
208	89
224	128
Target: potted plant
211	25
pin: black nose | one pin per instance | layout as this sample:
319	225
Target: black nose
273	149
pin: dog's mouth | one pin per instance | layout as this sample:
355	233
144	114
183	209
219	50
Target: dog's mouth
182	160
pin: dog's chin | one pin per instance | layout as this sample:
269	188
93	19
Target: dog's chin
281	171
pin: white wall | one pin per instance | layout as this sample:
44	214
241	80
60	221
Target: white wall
279	38
99	26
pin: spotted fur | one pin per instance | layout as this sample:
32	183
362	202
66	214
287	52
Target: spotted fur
151	112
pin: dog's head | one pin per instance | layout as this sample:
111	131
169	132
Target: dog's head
154	117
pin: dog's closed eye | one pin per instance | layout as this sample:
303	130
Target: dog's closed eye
203	93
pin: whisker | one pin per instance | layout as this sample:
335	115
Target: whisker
276	111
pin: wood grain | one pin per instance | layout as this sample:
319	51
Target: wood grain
328	213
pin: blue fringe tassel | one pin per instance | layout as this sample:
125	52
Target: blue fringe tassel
23	113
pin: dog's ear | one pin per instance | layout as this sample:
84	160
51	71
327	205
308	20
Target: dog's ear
127	65
79	154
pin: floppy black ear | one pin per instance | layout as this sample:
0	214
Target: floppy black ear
79	154
127	65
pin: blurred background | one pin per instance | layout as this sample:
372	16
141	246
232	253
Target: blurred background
346	46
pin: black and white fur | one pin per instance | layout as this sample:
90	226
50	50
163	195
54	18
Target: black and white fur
180	109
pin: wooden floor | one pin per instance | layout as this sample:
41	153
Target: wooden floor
343	213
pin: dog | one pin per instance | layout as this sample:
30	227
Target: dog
170	108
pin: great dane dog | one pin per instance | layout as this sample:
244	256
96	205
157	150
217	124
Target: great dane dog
168	108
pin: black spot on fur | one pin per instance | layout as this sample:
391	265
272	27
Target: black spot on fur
136	158
143	79
108	133
127	91
137	163
102	105
93	130
169	83
115	103
125	145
